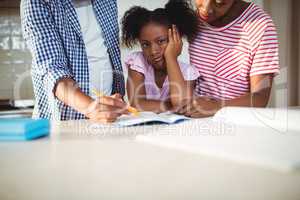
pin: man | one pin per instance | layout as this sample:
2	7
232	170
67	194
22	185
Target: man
75	50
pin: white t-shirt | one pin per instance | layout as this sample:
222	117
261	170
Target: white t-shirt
100	67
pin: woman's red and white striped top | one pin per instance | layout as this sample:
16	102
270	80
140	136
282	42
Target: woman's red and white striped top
227	57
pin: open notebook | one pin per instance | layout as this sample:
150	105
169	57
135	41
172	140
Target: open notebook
269	138
150	118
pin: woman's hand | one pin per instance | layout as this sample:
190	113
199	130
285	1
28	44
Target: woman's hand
199	107
174	48
106	109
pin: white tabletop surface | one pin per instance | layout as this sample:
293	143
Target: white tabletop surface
76	162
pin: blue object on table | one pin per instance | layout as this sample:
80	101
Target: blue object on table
23	128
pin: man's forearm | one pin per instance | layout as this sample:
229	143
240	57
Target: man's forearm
68	92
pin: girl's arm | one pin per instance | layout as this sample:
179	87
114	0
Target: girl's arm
180	89
137	94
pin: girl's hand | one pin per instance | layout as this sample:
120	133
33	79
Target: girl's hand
174	47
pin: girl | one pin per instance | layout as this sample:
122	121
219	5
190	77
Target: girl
156	79
236	53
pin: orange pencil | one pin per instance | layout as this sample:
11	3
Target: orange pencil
131	109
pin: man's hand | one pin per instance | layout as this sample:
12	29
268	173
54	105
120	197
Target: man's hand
106	109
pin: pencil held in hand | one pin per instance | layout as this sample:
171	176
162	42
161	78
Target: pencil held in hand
97	94
131	109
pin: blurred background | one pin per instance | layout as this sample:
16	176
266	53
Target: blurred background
15	59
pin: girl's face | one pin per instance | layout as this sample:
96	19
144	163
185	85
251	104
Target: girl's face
154	40
212	10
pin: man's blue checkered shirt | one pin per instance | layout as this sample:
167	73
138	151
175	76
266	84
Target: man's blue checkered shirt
52	32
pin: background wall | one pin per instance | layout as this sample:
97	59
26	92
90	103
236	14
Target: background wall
15	59
296	41
286	90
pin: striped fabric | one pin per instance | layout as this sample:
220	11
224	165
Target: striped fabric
227	57
52	32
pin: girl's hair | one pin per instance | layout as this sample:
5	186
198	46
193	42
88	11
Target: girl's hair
178	12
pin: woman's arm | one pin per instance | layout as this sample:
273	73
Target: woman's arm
260	87
180	89
258	97
137	94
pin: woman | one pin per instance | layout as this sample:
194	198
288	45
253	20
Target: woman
236	53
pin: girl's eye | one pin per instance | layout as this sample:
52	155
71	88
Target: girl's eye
162	41
144	45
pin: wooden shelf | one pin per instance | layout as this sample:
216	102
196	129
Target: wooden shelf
10	3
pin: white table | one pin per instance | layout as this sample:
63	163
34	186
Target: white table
75	164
